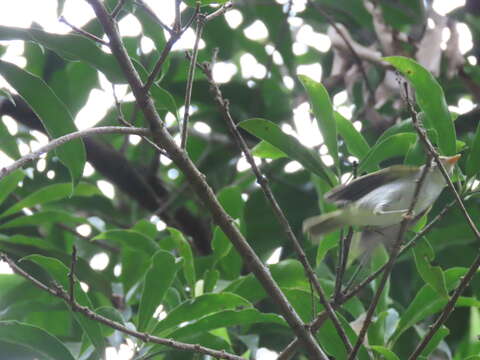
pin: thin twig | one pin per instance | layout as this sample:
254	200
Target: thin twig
163	56
201	188
219	11
71	277
177	26
83	32
357	58
122	119
282	219
191	74
289	351
117	8
343	252
391	262
69	137
152	15
343	258
59	292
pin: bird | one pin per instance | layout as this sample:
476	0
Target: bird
381	199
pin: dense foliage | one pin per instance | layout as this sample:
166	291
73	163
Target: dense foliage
177	267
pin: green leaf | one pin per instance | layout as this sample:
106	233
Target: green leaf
385	352
356	143
231	200
59	272
210	280
131	239
431	100
395	145
328	242
112	314
49	194
158	279
473	159
332	343
266	150
323	111
39	243
52	112
426	303
43	218
71	47
34	338
439	335
221	245
405	126
198	307
9	183
227	318
432	275
270	132
185	251
287	273
163	99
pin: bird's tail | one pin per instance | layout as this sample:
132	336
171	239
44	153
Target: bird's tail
323	224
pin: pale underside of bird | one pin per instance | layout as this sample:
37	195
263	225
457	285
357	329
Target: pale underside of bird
381	199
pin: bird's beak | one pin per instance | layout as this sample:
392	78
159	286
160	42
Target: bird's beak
452	160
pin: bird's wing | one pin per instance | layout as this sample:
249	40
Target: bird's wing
358	188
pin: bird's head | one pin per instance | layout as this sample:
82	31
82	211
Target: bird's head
449	162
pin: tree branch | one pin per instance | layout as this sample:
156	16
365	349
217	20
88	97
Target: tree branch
83	32
219	12
191	74
200	186
58	292
71	277
69	137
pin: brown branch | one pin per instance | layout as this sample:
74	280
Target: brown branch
342	263
227	6
116	10
391	262
281	218
177	26
161	60
122	119
152	15
83	32
69	137
71	277
343	252
200	186
191	74
58	292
